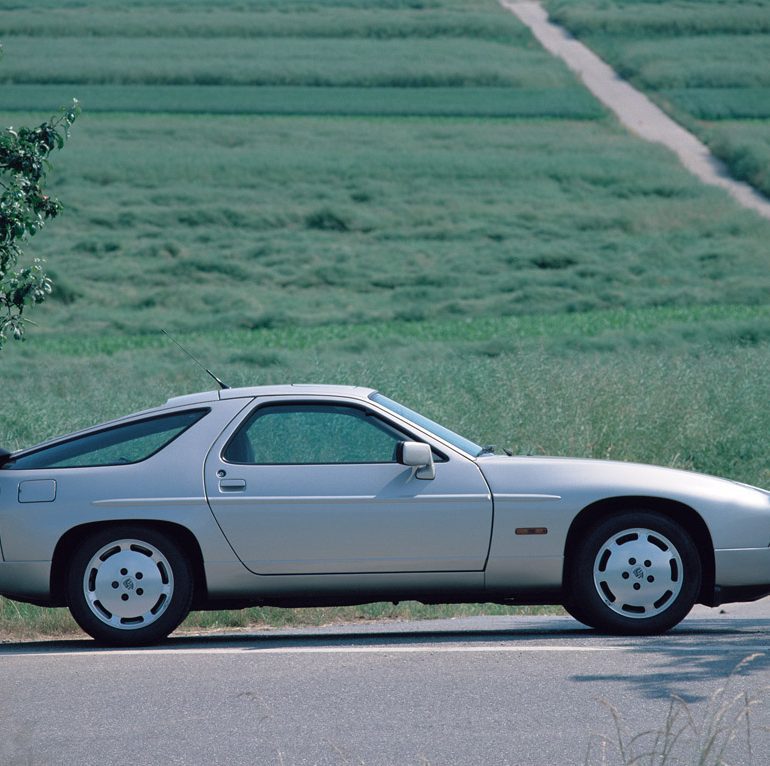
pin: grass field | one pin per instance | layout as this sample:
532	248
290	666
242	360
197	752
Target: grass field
315	220
705	61
683	387
407	195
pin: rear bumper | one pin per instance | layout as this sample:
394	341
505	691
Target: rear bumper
26	580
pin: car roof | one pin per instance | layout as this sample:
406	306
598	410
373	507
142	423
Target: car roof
293	389
203	397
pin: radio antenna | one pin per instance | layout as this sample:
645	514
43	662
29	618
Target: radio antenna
205	369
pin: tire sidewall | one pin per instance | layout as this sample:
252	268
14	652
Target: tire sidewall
181	596
582	592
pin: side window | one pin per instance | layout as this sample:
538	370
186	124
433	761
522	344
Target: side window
305	434
118	445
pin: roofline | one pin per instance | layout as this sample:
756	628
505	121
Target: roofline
290	389
204	397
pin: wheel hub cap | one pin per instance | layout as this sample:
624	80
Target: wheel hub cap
128	584
638	573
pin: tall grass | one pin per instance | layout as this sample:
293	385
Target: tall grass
21	622
549	103
745	147
637	19
317	62
705	61
235	20
671	394
294	43
722	732
750	103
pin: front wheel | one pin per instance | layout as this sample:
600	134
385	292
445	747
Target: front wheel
129	585
636	573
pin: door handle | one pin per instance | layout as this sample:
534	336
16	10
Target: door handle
232	485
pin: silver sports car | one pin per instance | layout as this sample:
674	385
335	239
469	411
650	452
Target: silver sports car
331	495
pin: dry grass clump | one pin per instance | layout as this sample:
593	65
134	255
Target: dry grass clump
718	735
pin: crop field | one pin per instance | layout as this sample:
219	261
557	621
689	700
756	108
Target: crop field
316	220
705	61
407	195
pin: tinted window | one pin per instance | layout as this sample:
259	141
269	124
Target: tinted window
312	434
118	445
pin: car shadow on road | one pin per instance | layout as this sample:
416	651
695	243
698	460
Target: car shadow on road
738	659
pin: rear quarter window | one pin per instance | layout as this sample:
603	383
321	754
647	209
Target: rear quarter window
118	445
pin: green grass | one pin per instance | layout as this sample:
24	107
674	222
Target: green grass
553	103
703	61
231	221
383	45
742	103
317	62
24	622
685	388
642	19
745	146
378	21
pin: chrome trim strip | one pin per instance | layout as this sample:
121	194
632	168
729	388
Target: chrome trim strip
527	498
128	502
344	499
282	499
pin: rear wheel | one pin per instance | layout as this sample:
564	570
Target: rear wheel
634	573
129	585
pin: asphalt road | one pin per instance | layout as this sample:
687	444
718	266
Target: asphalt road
531	690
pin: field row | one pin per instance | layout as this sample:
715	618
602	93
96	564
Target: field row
233	20
721	103
274	61
640	19
558	102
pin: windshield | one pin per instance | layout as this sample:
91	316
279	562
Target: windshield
466	445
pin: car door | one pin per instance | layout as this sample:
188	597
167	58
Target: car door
314	487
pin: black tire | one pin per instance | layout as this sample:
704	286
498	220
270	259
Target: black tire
634	573
573	607
129	585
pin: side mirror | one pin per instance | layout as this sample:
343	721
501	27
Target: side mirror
419	456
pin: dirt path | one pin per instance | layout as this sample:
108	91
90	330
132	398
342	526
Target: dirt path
633	108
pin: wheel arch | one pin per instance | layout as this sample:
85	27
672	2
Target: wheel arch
180	534
681	513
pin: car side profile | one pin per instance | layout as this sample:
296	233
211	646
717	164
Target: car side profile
332	495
